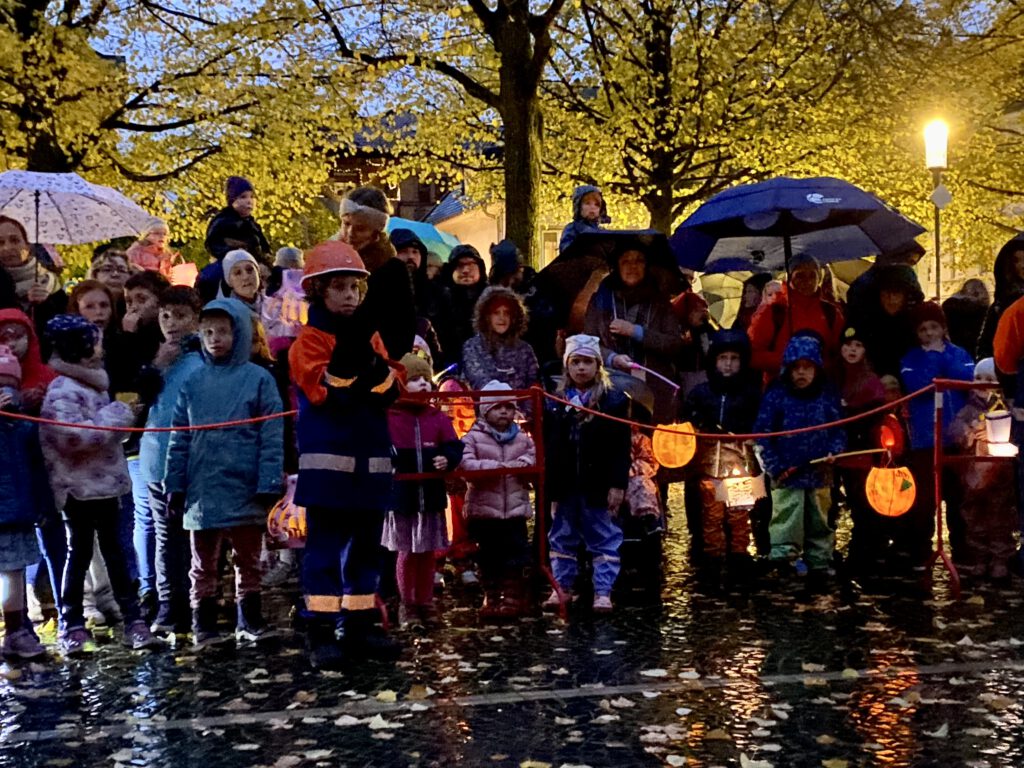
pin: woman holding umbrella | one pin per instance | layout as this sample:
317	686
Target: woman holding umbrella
631	314
37	289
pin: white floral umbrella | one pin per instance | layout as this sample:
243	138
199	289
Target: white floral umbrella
65	208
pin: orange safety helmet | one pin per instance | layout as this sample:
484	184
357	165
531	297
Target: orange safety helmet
330	257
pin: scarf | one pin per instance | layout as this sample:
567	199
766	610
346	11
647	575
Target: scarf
24	276
502	437
96	378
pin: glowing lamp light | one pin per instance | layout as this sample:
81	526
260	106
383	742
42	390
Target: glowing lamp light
936	138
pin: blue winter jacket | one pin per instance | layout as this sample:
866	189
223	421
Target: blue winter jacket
25	495
222	470
784	408
918	369
153	446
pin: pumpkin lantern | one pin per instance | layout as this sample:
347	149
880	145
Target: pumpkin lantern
286	522
890	490
674	444
459	410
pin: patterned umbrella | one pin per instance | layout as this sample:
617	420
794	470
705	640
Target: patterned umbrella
65	208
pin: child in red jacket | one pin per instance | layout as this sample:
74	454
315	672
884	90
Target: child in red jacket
425	441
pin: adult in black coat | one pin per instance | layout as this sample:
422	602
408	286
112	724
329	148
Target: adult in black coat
463	279
882	313
1008	272
965	312
412	252
233	228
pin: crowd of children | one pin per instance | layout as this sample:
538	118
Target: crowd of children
354	335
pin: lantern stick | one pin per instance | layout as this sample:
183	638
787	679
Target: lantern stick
638	367
836	456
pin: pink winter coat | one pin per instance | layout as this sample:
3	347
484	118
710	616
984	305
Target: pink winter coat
84	463
499	498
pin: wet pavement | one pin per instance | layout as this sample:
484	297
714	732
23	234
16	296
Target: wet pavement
773	679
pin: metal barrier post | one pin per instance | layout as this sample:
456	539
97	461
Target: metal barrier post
937	458
540	496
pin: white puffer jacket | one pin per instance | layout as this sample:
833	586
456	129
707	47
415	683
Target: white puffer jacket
84	463
499	498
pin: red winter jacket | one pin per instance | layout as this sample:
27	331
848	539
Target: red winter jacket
769	329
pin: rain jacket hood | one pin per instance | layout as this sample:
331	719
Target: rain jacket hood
1008	287
241	325
802	347
33	372
487	303
577	203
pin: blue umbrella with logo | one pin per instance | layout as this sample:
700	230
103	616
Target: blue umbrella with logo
758	227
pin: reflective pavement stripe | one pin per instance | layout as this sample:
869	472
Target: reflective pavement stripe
327	461
369	707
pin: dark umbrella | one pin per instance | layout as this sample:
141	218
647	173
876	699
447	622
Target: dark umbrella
758	227
599	250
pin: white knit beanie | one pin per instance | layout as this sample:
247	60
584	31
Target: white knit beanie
486	403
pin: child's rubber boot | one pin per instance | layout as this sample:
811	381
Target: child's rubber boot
204	625
709	575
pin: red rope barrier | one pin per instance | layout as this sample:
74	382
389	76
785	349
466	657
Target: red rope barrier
755	436
476	395
195	428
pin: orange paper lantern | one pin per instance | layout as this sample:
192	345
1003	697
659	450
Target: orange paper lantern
890	490
460	410
674	444
286	522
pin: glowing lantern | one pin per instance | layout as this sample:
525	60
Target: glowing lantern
286	522
890	490
674	444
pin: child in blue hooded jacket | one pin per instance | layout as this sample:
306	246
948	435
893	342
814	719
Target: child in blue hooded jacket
801	491
225	479
936	357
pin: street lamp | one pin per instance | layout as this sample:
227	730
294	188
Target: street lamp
936	139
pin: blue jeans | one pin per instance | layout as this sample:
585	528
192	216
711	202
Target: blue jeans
144	532
173	552
572	523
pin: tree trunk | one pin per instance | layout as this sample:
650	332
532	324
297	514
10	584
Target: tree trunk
523	142
523	136
658	47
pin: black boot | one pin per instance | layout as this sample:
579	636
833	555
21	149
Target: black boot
251	626
740	569
364	638
709	575
204	624
325	652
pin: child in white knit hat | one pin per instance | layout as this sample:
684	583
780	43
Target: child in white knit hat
587	466
497	508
